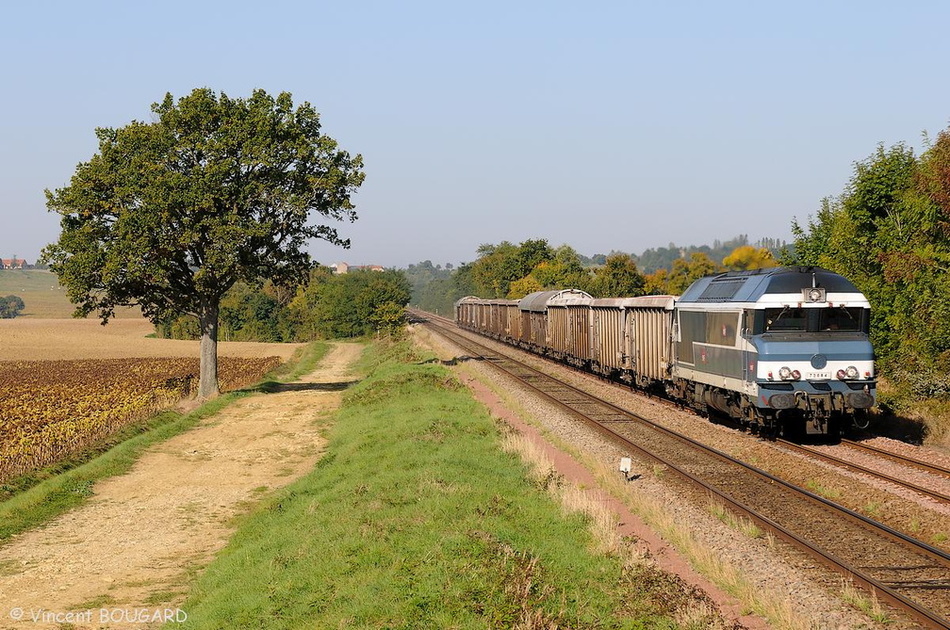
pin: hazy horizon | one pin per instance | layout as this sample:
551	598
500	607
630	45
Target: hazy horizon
612	126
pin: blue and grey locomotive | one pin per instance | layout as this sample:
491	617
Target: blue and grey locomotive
783	348
780	350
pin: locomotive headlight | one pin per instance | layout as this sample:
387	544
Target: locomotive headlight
785	373
796	374
850	373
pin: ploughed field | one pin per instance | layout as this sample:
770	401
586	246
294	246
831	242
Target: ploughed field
52	410
67	384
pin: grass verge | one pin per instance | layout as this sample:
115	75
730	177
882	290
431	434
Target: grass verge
416	518
772	606
34	499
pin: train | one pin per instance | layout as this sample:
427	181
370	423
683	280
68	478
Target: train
782	351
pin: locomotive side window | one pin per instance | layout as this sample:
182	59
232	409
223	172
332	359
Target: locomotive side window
721	328
692	328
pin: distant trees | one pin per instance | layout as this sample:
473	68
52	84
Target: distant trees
560	269
512	271
748	257
684	273
326	306
11	306
664	257
435	287
618	277
360	303
499	265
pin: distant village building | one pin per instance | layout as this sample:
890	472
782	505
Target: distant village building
342	267
14	263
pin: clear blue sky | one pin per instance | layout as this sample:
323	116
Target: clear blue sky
603	125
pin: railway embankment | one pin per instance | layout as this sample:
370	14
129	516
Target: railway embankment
416	516
754	567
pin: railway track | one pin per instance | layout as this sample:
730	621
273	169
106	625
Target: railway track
925	466
897	481
908	574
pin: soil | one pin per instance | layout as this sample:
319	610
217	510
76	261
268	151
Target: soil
133	547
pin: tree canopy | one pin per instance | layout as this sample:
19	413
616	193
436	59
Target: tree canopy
748	257
360	303
11	306
512	271
170	214
888	232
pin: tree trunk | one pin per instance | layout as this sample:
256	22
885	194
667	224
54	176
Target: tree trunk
208	378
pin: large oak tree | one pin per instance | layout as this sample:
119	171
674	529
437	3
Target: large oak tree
169	214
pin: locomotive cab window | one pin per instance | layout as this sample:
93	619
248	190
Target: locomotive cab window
831	319
840	318
786	319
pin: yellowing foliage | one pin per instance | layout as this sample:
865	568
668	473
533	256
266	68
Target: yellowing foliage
51	410
749	257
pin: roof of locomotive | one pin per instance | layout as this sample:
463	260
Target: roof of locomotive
750	286
539	300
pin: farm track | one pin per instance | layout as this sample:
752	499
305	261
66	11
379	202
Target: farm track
142	536
908	574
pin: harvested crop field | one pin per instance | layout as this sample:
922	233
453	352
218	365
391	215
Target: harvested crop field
54	409
65	384
51	339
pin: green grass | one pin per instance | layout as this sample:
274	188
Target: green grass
39	290
415	518
34	499
41	294
832	494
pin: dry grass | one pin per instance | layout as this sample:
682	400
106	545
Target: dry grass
603	521
914	417
51	339
934	414
868	604
773	607
738	523
707	561
690	609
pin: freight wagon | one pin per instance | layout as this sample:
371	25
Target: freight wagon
779	350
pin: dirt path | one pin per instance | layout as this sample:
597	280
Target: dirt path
128	553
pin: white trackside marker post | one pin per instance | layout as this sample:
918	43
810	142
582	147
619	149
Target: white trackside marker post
626	465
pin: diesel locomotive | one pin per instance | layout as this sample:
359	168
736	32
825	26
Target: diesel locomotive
781	351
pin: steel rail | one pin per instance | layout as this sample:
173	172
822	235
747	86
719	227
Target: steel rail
894	598
938	496
933	494
897	457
